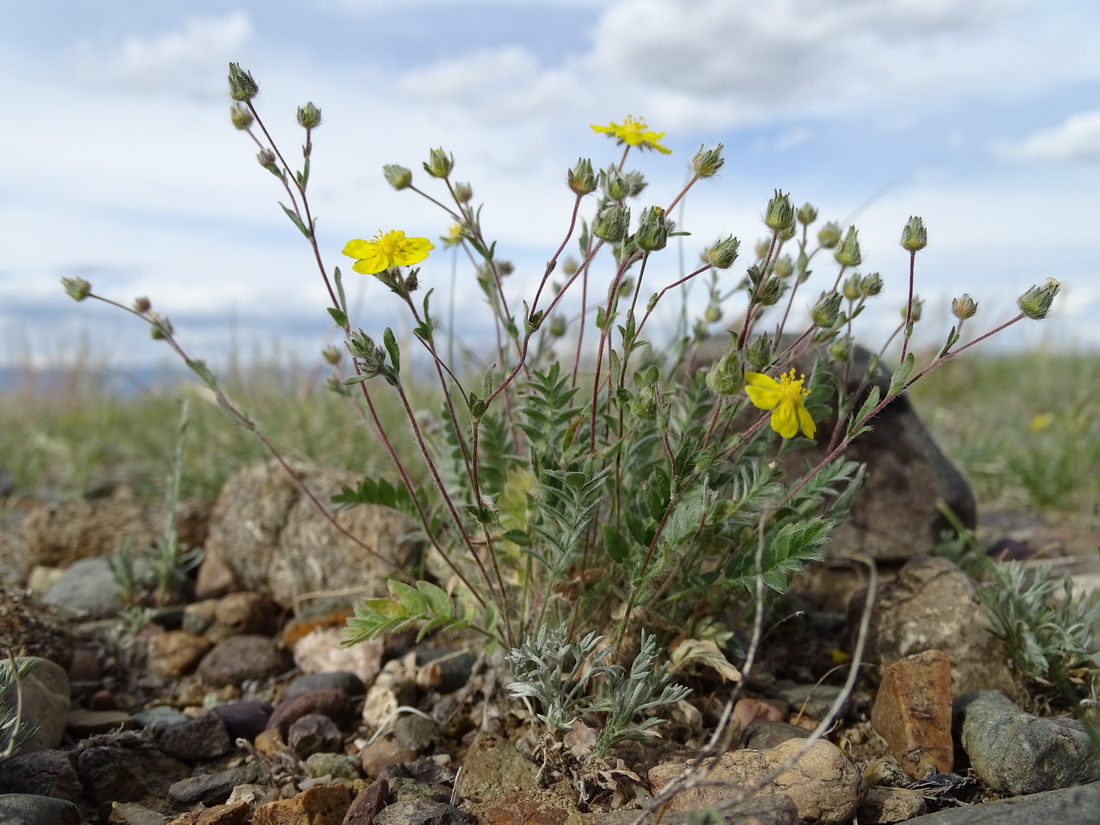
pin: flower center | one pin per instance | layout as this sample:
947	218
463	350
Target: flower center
791	388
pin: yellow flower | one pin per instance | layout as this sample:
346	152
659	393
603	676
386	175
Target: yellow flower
386	251
784	398
634	132
1040	422
455	235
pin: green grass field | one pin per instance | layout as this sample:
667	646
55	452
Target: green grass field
1025	430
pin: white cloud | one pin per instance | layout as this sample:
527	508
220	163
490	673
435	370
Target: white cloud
184	59
1075	139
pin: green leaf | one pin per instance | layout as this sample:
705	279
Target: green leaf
297	221
865	409
901	375
615	545
518	537
390	343
203	372
338	316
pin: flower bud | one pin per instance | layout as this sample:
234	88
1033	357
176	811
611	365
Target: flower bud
463	192
826	311
397	176
266	159
806	214
569	265
241	84
76	288
331	355
726	377
784	267
829	235
713	313
707	162
850	287
309	116
615	185
914	236
505	268
770	293
964	307
914	313
847	254
581	178
841	350
142	305
439	163
1036	302
723	253
762	248
159	326
611	222
653	229
780	214
240	117
557	326
636	182
759	352
870	285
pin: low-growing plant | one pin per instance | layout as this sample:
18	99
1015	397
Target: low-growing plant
13	731
586	482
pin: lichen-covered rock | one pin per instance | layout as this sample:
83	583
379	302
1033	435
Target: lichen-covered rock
274	541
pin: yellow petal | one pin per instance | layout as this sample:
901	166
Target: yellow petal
784	421
804	420
371	264
358	248
763	391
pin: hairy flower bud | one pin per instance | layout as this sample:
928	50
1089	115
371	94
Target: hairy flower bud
850	288
914	236
464	193
614	184
76	288
770	293
784	267
557	326
159	326
309	116
759	352
241	84
707	162
581	178
762	248
1036	302
723	253
726	377
636	182
806	214
439	163
397	176
916	311
142	305
870	285
713	313
829	235
653	229
964	307
780	215
240	117
611	222
266	158
331	355
827	310
847	254
840	350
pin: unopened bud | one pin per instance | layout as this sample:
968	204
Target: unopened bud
726	377
840	350
784	267
614	184
439	163
240	117
914	236
707	162
806	214
159	326
309	116
463	192
653	227
266	158
331	355
557	326
850	287
847	254
712	314
829	235
581	178
611	222
636	182
964	307
770	293
780	214
1036	302
142	305
827	310
915	312
76	288
241	84
759	352
723	253
870	285
397	176
569	265
762	248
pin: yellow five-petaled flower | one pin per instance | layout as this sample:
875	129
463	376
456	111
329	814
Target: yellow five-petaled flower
784	399
386	251
634	132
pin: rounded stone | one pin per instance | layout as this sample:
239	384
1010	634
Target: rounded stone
242	658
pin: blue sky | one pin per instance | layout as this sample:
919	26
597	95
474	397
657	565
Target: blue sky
981	116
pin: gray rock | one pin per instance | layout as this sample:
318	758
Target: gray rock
933	605
159	717
1023	754
243	658
1071	806
198	739
314	733
44	693
812	700
244	719
89	587
127	769
213	788
351	684
30	809
895	516
423	812
335	765
272	539
415	733
47	773
762	734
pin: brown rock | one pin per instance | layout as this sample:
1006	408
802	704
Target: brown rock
526	808
240	613
825	787
912	712
274	541
240	658
492	768
886	805
80	724
381	754
330	702
175	652
748	709
322	805
366	805
30	628
213	579
235	814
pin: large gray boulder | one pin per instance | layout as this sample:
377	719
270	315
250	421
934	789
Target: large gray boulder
274	541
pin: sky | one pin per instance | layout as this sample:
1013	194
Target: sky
120	165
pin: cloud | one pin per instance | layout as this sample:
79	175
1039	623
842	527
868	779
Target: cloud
1075	139
190	59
